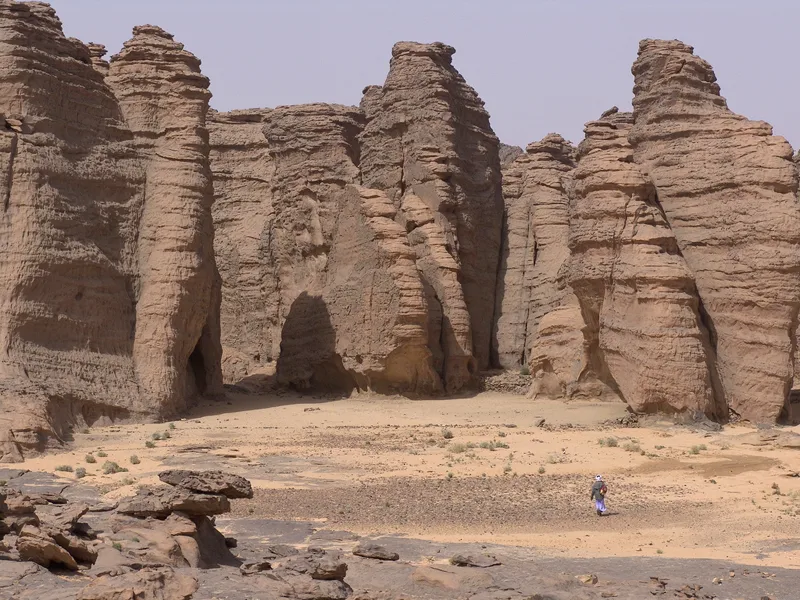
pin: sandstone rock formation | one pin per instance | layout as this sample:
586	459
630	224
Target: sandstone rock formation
535	234
109	293
509	154
428	144
242	173
644	333
728	189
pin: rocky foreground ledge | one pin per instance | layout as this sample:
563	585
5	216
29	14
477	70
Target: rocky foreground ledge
62	541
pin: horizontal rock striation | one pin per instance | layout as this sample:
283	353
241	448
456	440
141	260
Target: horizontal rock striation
101	318
728	189
428	144
644	331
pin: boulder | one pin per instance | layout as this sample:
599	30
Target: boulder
149	583
324	566
474	560
209	482
369	550
36	546
161	501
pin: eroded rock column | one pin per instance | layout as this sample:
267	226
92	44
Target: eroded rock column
728	188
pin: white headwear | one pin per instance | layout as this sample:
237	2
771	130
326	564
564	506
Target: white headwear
598	478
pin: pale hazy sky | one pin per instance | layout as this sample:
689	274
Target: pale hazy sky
540	66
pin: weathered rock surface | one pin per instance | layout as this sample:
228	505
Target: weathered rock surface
101	317
376	298
155	583
314	151
370	550
209	482
161	501
645	335
428	144
728	189
536	231
242	172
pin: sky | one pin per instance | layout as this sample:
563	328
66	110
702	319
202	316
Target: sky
540	66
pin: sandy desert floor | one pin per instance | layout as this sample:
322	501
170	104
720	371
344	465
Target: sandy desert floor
477	469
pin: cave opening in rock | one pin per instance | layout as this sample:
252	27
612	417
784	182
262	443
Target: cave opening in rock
197	369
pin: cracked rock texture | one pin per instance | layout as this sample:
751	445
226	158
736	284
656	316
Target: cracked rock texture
534	246
644	332
101	318
242	171
428	144
728	189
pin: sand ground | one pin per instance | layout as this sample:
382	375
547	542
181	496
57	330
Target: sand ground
477	469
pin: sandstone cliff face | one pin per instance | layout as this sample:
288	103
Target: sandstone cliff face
243	214
429	145
100	317
643	329
164	99
536	232
314	154
728	191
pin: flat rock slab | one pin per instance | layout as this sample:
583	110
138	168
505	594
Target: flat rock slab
209	482
37	483
482	561
375	551
160	502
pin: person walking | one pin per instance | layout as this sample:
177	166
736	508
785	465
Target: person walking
599	491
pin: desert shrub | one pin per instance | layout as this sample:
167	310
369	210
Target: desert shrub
631	447
80	472
149	444
447	434
457	448
64	468
102	454
90	459
541	470
110	467
135	460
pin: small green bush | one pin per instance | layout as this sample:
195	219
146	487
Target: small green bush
457	448
541	470
501	434
156	436
172	425
64	468
102	454
117	546
90	459
135	460
149	444
166	435
631	447
110	467
80	472
447	434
